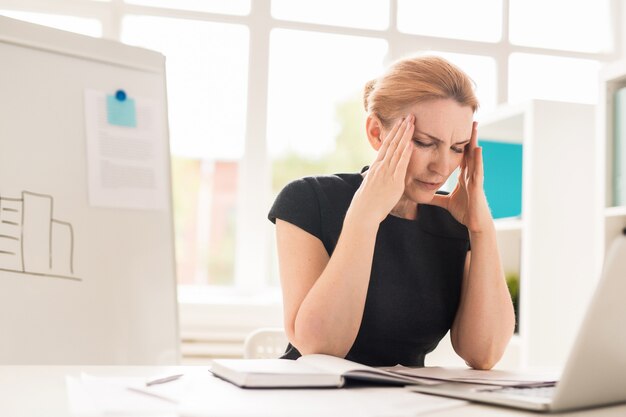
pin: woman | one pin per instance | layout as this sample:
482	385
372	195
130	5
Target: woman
376	267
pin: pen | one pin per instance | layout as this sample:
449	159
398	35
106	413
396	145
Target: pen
163	380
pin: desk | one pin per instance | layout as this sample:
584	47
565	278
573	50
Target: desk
41	391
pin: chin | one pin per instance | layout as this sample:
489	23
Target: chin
421	197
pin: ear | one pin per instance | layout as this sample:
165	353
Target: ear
374	130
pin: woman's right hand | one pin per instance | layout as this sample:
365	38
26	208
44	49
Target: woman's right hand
384	181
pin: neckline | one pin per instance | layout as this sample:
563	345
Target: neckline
402	219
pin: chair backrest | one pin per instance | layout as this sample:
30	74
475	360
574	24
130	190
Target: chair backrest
265	343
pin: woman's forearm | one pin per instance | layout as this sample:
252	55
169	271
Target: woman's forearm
485	319
329	317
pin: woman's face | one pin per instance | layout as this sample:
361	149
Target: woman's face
442	129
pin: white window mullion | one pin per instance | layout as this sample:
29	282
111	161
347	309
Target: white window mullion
618	31
393	36
112	26
502	60
252	249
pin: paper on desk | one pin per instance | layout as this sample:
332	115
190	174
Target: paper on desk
473	376
174	390
214	397
96	396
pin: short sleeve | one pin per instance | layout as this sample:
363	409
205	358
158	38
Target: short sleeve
298	204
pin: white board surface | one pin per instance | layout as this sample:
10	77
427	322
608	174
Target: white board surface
79	283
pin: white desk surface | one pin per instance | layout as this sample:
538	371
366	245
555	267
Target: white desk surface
41	391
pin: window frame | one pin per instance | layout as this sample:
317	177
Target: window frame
254	232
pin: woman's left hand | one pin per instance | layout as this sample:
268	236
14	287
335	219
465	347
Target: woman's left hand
467	202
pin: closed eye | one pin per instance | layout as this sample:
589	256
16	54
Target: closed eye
457	150
423	144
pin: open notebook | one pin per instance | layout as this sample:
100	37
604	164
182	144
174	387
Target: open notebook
329	371
307	371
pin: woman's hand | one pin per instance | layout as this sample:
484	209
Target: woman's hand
384	181
467	203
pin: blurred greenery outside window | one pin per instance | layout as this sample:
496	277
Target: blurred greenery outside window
352	150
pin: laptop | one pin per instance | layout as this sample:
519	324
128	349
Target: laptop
595	370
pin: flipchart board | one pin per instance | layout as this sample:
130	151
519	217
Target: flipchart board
87	270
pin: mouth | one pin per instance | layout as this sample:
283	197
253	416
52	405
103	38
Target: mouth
430	186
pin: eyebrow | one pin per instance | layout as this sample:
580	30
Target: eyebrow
439	140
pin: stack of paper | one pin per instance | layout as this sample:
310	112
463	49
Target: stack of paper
473	376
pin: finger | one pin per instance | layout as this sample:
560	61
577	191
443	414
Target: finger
472	147
464	159
474	137
403	161
404	141
382	151
395	142
462	179
469	164
479	171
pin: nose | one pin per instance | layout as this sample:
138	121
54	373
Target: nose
440	163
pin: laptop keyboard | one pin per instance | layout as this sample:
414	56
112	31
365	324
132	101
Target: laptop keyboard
536	392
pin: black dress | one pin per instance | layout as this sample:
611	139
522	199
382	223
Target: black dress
417	269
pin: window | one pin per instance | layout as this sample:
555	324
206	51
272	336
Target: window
315	101
552	78
240	7
300	66
477	20
207	83
575	25
371	14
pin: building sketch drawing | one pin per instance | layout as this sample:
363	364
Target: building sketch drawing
32	241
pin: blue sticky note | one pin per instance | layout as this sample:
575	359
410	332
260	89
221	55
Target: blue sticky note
121	112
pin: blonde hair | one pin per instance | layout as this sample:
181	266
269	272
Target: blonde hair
414	80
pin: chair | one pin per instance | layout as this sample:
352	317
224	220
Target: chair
265	343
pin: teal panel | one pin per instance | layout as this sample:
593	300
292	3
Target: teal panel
503	177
